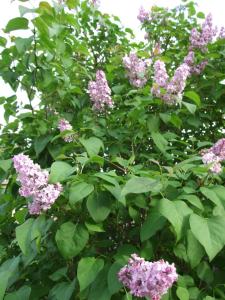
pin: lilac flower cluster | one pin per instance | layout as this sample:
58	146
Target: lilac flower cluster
195	68
34	184
214	156
147	279
169	91
143	15
99	91
222	33
200	40
64	125
95	3
136	69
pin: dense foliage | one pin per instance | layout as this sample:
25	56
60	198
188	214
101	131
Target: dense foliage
120	132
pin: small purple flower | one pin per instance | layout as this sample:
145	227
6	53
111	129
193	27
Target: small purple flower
169	91
136	69
214	155
34	184
99	92
222	33
143	15
147	279
64	125
200	40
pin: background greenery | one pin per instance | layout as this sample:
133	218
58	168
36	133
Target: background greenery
133	178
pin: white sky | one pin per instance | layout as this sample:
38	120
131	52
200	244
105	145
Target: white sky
127	10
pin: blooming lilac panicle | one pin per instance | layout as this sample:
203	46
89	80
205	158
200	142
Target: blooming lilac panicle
160	74
143	15
199	68
136	69
190	58
95	3
64	125
177	84
147	279
200	40
219	149
172	89
214	155
194	68
34	184
99	91
222	33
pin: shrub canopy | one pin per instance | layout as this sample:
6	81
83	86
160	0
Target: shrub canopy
131	174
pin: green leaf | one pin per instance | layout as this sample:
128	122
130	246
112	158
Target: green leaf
23	293
30	231
194	200
62	290
87	270
23	236
60	273
112	278
94	227
205	273
152	224
138	185
72	3
160	142
209	232
6	164
60	171
190	107
71	239
16	24
22	44
201	15
175	212
92	145
99	205
182	293
195	251
79	191
211	195
193	96
99	289
7	270
41	142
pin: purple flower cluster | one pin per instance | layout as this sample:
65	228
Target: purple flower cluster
95	3
222	33
200	40
143	15
64	125
136	69
195	68
34	184
99	91
169	91
147	279
214	156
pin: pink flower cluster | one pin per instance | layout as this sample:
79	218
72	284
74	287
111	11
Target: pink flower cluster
34	184
169	91
143	15
136	69
147	279
64	125
99	91
214	156
200	40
